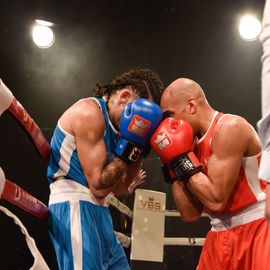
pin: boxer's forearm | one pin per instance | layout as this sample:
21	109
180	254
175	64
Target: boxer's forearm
110	176
112	173
120	188
189	207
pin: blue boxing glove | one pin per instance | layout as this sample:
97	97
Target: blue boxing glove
138	122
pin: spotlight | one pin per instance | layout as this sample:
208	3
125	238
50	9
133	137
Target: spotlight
249	28
42	34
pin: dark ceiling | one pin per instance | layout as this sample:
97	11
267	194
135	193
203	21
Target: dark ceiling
95	40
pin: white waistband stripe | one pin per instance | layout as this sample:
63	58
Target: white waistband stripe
69	190
251	213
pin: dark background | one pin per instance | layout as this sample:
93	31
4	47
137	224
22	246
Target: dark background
95	41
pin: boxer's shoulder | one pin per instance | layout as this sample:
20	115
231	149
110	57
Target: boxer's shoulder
84	115
235	132
230	123
86	107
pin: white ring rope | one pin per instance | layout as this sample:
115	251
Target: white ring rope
39	262
182	241
168	241
175	213
112	200
124	239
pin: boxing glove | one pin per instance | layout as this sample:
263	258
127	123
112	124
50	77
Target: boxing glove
173	143
138	121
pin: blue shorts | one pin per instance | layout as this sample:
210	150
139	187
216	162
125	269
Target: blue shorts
82	233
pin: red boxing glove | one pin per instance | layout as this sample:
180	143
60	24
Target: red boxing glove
173	143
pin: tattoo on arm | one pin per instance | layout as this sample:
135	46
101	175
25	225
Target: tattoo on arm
112	173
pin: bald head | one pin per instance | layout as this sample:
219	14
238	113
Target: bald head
185	99
183	89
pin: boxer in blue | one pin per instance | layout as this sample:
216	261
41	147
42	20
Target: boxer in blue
97	148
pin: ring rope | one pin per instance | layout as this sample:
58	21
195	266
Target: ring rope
168	241
175	213
112	200
39	262
182	241
124	239
37	137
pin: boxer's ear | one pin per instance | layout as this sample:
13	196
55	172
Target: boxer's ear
125	95
191	105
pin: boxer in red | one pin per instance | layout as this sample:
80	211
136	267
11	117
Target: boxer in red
264	123
213	160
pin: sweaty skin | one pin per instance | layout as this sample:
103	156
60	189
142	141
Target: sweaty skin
84	120
185	99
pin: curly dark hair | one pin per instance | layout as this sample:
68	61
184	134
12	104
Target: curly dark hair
144	82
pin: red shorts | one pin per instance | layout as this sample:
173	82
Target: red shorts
245	247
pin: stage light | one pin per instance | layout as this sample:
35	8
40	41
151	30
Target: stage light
42	34
249	28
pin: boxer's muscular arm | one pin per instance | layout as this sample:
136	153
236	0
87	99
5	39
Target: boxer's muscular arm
233	139
189	206
86	122
121	188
